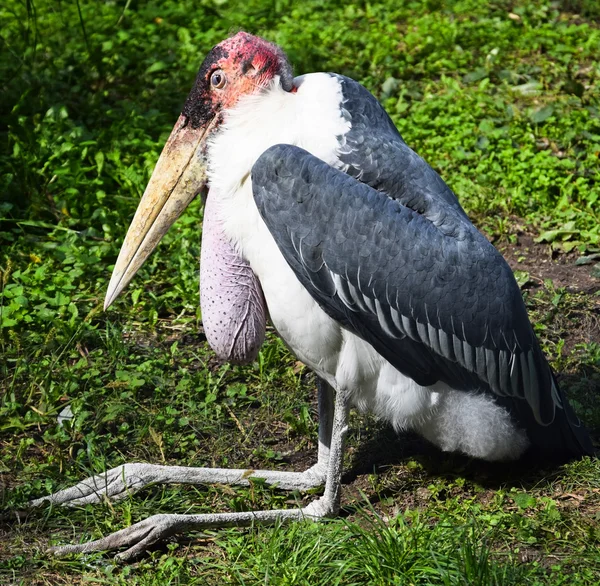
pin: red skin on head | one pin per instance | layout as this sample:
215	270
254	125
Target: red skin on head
248	63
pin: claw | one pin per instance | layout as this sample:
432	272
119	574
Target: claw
115	484
138	537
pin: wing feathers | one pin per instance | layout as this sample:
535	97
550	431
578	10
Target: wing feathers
404	282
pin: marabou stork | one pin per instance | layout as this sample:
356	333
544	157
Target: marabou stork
320	216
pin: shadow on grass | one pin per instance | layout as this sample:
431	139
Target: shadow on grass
385	448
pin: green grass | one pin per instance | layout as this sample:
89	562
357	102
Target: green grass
502	98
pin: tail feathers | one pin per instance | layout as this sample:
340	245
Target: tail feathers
564	439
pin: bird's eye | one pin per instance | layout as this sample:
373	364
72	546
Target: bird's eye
217	79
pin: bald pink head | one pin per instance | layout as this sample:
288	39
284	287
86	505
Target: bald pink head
240	65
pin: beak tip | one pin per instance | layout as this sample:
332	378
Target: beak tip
111	294
107	301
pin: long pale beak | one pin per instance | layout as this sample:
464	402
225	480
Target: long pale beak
178	177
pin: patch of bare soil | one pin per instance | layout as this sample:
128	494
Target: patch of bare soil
580	322
542	263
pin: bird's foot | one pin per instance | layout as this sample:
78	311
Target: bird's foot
140	537
137	538
114	485
127	479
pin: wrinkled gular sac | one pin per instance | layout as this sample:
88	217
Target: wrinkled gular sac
241	65
231	298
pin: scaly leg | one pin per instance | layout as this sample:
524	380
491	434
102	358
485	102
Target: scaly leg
127	479
140	536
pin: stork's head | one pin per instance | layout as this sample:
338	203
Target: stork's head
239	66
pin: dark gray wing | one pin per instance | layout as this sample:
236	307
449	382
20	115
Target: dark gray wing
434	298
373	152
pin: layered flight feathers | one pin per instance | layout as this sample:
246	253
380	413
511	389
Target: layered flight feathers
401	266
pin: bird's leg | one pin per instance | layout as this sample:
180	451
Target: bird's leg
124	480
329	504
137	538
325	399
